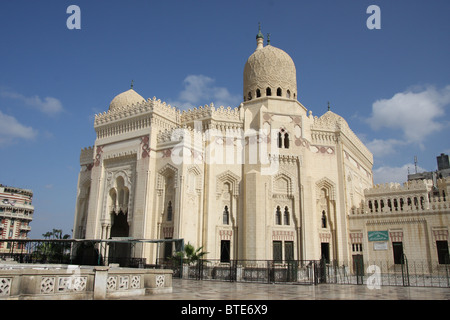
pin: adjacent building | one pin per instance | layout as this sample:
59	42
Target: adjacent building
409	221
16	214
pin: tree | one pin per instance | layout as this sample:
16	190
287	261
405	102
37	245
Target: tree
52	251
190	254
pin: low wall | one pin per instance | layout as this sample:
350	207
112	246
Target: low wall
68	282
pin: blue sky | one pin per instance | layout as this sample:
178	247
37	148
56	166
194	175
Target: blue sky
392	85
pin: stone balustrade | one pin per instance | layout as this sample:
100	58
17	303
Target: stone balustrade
71	282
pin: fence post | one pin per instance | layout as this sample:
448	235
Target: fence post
405	271
100	280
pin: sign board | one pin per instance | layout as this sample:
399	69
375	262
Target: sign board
378	235
380	245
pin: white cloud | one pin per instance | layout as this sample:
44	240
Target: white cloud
200	90
48	105
380	147
416	114
387	174
11	129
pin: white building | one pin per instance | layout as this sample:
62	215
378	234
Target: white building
266	180
397	221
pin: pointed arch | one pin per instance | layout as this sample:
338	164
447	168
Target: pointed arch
167	171
194	178
282	183
229	177
328	185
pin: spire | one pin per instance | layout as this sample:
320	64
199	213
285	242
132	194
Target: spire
259	38
132	83
259	35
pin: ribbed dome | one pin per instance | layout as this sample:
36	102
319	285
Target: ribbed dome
269	67
124	99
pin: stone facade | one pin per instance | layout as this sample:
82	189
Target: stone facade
412	219
266	180
16	214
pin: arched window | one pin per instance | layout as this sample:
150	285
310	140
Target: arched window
278	216
169	211
226	216
249	96
268	91
288	94
280	140
286	215
283	139
279	92
258	93
286	140
324	219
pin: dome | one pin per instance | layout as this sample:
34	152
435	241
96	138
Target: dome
124	99
269	71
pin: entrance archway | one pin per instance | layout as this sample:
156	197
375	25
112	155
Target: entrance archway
119	252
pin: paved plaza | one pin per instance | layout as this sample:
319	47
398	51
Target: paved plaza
216	290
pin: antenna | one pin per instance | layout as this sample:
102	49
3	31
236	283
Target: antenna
415	163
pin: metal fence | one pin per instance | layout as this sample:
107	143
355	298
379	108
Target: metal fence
421	273
262	271
314	272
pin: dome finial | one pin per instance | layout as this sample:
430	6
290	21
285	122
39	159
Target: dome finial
259	38
132	83
328	105
259	35
268	39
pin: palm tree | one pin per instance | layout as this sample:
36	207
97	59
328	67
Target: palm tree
190	254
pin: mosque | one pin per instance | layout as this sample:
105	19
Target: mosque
267	180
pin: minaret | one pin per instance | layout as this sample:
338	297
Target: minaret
259	39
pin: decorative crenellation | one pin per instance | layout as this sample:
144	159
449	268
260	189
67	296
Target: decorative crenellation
139	116
328	127
416	196
123	112
407	187
87	156
127	125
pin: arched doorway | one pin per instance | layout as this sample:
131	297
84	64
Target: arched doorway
119	252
